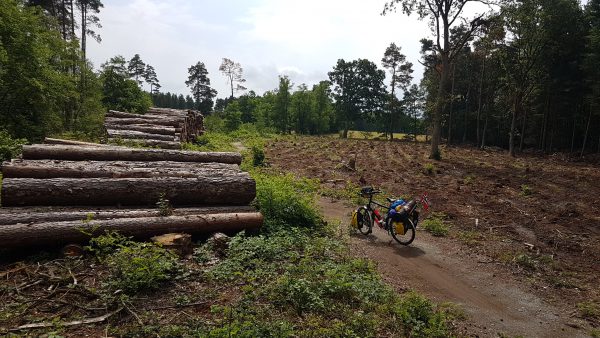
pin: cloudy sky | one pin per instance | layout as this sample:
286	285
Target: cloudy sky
301	39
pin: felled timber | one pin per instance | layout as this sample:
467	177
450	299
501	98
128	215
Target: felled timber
30	215
49	140
146	128
19	168
173	122
55	233
234	189
133	134
114	153
172	145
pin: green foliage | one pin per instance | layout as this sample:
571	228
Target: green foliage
120	92
436	225
164	206
302	283
9	147
526	190
589	309
429	168
286	202
140	266
233	120
199	84
258	156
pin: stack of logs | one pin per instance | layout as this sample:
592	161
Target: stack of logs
159	127
59	193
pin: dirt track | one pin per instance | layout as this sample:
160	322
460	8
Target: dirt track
493	223
493	305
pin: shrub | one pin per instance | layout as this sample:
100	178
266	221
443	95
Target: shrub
258	156
286	202
9	147
140	266
436	225
429	168
134	266
233	120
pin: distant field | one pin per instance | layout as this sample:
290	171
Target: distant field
374	135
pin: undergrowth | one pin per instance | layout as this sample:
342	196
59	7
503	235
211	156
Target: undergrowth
436	224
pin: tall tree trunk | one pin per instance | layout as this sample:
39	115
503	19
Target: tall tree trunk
523	131
449	140
392	103
73	36
587	129
479	103
465	122
64	20
485	125
545	122
440	107
513	125
573	134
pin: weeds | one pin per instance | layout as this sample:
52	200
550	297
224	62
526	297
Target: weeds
9	147
429	168
526	190
436	225
590	310
164	206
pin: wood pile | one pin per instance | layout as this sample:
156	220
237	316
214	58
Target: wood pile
58	193
159	127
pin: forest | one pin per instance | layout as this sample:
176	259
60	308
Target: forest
523	77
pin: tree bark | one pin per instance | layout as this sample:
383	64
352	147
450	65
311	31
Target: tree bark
113	153
170	145
513	126
479	104
440	107
167	122
485	125
233	189
30	215
49	140
113	169
523	126
55	233
133	134
449	140
146	128
587	129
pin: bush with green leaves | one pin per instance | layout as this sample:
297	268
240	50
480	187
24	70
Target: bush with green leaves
286	202
10	147
134	266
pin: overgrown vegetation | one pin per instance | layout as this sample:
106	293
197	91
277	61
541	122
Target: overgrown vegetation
9	147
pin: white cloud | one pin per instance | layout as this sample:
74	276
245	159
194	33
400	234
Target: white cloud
301	39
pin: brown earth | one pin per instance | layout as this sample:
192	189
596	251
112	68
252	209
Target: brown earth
523	248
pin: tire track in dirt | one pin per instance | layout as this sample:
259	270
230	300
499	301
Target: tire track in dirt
494	305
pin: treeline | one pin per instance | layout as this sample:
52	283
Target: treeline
529	80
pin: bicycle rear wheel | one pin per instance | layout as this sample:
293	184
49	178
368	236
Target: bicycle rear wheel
407	236
364	220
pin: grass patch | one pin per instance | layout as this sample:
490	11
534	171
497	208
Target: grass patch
436	224
429	168
590	310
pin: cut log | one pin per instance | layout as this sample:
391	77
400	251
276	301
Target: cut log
56	233
113	153
113	169
49	140
120	114
179	243
146	143
146	128
132	134
238	189
173	122
32	215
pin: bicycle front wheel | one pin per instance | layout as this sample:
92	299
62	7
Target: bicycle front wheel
403	233
364	220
